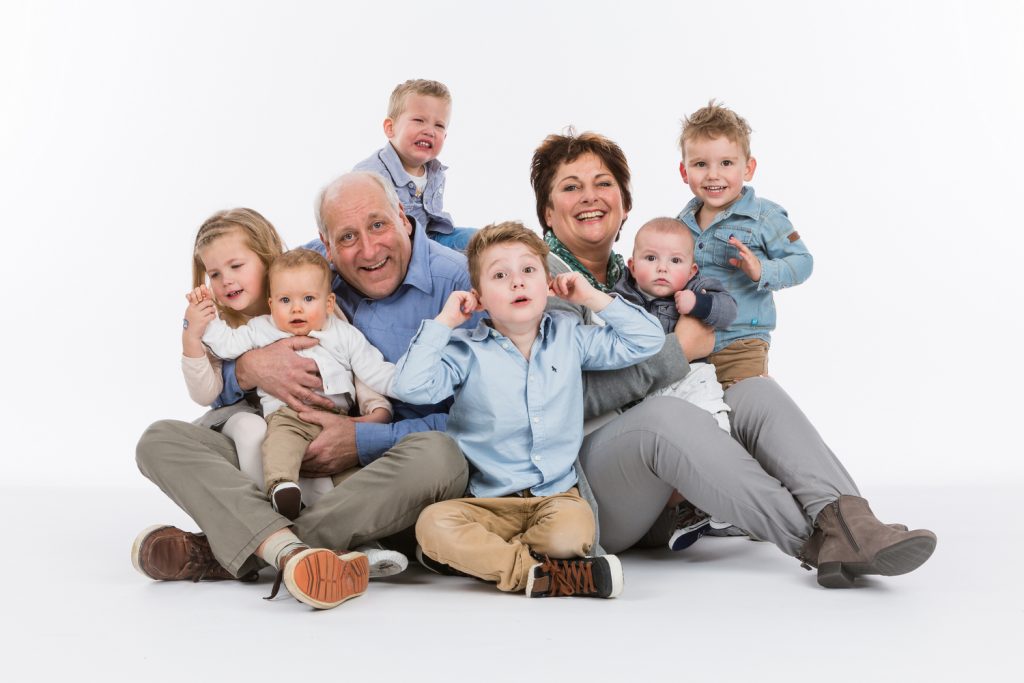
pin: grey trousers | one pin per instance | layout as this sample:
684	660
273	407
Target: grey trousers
771	477
198	469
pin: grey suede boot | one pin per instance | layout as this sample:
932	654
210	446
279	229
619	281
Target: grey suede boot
809	553
852	542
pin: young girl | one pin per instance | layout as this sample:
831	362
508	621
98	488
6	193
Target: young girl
233	251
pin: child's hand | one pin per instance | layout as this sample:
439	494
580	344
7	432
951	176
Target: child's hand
685	301
459	308
747	261
378	415
198	315
575	289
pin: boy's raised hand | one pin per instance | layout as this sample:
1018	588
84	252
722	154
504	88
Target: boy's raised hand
459	308
747	261
575	289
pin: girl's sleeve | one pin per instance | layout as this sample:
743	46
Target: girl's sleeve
202	378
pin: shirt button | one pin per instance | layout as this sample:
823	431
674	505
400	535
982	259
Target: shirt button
700	245
753	321
536	458
536	420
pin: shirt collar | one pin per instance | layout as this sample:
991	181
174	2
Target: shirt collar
389	157
484	329
745	205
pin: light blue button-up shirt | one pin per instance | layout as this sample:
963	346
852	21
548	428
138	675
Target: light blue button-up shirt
519	423
428	208
765	228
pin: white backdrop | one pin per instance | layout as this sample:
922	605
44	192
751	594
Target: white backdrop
889	130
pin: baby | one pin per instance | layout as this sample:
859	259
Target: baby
301	303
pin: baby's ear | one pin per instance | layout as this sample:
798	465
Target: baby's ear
331	300
389	128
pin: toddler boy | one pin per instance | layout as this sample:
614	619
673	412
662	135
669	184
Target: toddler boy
518	417
416	127
745	241
301	303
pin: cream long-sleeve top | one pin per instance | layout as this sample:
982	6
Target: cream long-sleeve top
343	357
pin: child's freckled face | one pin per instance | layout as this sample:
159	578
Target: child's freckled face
513	285
300	300
715	169
662	263
419	132
236	274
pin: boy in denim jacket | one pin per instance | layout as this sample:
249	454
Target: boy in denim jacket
745	241
416	128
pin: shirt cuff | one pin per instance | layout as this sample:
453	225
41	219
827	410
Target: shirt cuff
372	441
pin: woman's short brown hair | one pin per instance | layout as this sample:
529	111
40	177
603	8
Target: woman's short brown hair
564	149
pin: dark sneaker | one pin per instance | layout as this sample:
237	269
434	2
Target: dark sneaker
430	564
581	577
166	553
286	497
691	524
322	578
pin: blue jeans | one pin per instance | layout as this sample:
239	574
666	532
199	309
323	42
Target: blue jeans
457	239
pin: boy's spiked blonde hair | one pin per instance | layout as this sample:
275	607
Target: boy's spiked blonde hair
301	258
259	236
502	233
416	86
715	121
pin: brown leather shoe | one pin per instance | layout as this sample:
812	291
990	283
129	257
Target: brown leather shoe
322	578
166	553
854	543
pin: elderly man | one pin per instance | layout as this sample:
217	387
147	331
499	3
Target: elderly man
389	279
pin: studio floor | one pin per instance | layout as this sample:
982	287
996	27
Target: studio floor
725	610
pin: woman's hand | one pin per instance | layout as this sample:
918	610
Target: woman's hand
696	339
747	261
198	315
575	289
459	308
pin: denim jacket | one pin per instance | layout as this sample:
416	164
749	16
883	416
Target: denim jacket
427	209
765	228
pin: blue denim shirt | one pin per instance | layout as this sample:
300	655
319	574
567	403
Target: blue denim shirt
428	208
765	228
389	323
519	422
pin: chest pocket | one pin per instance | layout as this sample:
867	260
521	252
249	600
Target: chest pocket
722	250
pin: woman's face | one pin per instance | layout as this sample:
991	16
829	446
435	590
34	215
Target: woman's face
585	211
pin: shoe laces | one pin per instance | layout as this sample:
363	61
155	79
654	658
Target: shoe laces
201	559
687	515
569	577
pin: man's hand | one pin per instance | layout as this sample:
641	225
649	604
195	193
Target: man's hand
280	372
575	289
459	308
334	449
685	301
696	339
747	261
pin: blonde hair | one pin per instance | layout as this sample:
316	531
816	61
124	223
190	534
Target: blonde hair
415	86
502	233
301	258
260	237
715	121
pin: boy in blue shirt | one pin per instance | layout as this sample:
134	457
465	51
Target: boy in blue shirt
746	242
416	127
518	417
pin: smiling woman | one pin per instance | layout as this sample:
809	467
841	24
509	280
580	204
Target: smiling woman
773	476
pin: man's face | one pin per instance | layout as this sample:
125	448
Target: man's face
367	239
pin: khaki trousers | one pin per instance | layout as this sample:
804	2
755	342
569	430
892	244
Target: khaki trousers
284	446
742	359
491	538
198	469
